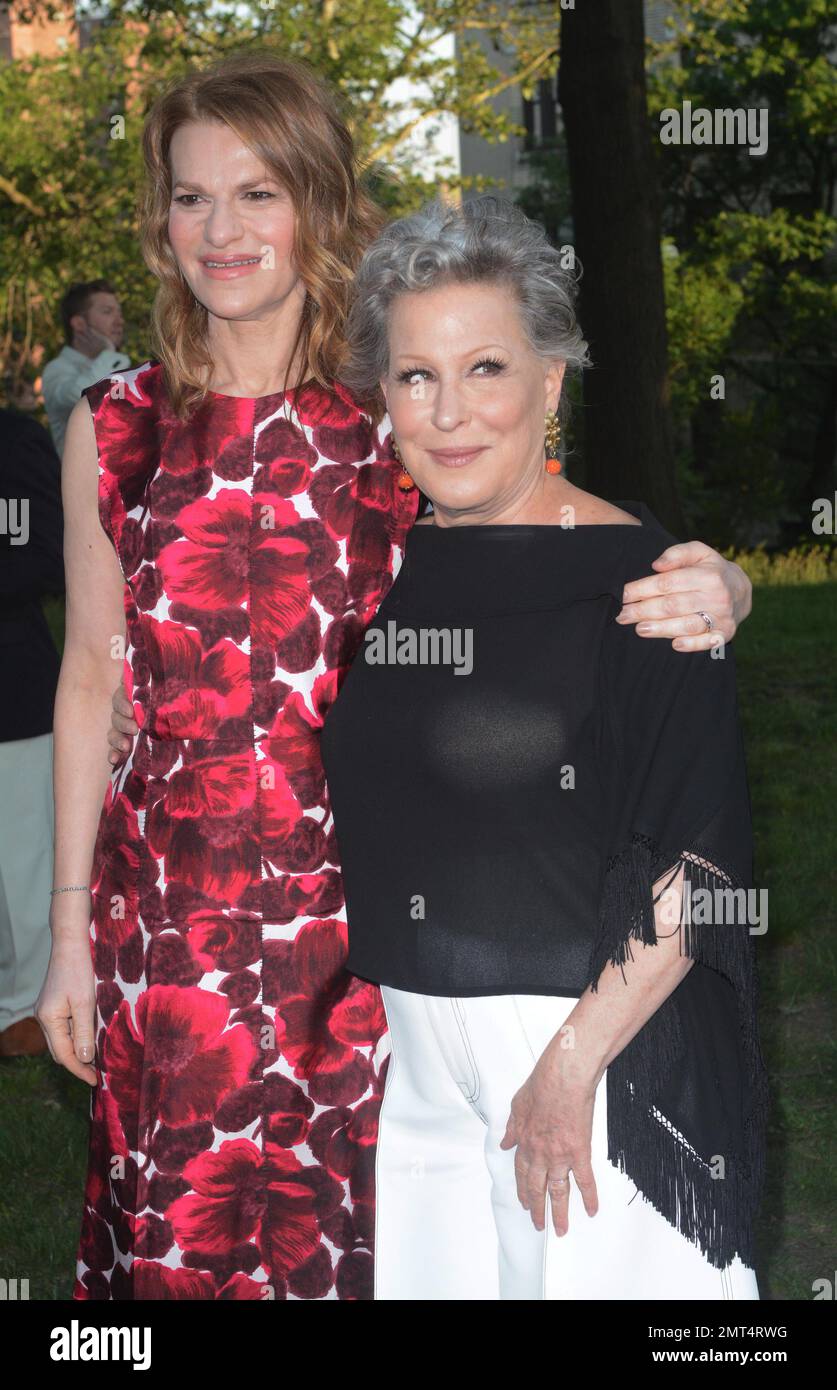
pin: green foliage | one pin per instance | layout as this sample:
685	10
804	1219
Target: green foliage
804	564
749	266
70	174
70	193
740	485
702	309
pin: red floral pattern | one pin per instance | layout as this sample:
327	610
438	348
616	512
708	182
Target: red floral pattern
240	1065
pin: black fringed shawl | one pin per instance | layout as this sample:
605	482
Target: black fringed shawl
687	1098
533	803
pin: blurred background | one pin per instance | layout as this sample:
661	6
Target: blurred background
683	153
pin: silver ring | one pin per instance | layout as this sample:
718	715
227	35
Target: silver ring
706	619
558	1182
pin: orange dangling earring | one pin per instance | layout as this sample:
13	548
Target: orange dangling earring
552	431
404	480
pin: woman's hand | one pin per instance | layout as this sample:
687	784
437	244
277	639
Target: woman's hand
66	1005
551	1122
691	578
123	726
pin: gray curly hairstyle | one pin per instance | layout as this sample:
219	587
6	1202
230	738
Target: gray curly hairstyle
486	239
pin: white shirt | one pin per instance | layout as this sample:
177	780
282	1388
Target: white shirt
64	379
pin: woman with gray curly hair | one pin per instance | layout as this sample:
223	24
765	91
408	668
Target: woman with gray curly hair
546	863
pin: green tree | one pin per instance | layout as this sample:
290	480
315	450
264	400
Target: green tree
750	282
71	159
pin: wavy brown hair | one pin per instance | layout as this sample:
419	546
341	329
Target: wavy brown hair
288	116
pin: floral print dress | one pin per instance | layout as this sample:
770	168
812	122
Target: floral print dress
240	1067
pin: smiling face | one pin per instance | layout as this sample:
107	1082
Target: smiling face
467	397
231	225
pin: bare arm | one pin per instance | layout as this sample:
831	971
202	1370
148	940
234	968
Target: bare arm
551	1118
605	1020
94	643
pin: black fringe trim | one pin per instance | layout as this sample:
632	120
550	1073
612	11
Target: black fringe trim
715	1213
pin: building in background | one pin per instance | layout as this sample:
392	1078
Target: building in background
46	38
539	115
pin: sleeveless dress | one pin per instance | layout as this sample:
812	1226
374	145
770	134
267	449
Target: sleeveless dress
240	1066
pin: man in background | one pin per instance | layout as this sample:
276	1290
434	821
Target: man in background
93	329
31	566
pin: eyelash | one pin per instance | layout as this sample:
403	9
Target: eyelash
410	372
260	194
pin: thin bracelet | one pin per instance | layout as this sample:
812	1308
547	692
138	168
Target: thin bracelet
74	888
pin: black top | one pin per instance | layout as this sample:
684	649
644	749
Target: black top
475	812
31	565
500	828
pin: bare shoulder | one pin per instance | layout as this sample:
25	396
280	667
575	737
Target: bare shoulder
595	511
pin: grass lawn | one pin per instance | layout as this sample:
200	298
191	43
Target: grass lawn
787	678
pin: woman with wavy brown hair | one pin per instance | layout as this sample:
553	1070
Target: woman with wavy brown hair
233	519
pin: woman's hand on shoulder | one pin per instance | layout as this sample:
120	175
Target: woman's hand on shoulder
691	579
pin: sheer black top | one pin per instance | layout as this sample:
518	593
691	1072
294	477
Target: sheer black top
475	809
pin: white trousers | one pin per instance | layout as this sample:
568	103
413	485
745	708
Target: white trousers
26	836
449	1224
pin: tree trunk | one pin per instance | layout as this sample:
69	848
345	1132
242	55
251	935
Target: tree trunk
629	449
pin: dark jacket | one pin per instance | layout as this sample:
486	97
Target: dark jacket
31	565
